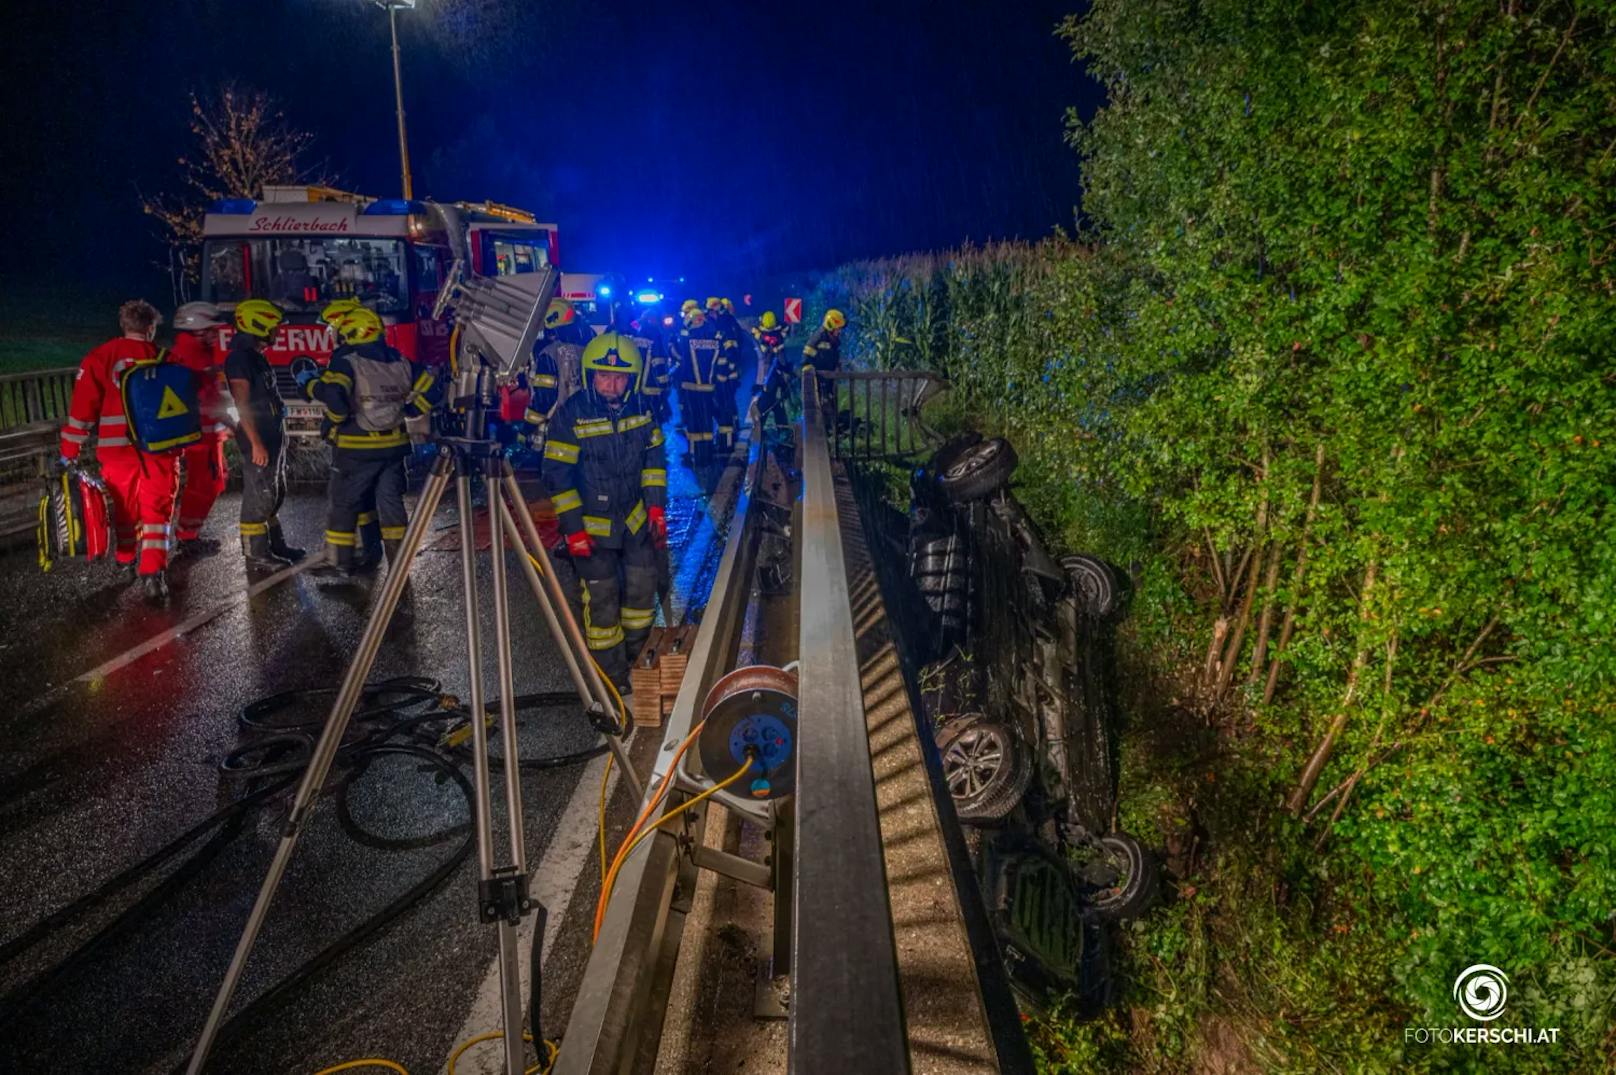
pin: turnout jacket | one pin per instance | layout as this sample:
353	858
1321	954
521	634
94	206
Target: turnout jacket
648	337
604	468
706	357
823	351
354	397
556	373
97	404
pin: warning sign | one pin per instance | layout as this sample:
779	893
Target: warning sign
172	406
793	311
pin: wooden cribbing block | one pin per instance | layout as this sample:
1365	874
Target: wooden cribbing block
646	679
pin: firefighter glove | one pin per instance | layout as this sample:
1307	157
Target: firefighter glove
659	526
579	546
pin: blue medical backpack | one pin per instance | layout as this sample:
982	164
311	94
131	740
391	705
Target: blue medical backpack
159	399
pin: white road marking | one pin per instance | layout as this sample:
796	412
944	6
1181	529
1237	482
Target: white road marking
555	881
179	630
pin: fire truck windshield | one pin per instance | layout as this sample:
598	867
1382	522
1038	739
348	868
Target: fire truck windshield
301	273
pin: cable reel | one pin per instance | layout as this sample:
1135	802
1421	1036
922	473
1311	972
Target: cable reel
752	708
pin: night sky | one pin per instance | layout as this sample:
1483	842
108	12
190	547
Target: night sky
718	140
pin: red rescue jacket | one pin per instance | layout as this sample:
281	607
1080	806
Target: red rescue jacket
97	405
212	391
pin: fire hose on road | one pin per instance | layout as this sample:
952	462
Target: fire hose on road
406	718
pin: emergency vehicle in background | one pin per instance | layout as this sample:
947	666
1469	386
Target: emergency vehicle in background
300	247
592	294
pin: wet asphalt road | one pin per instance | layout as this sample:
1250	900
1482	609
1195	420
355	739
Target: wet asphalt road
97	775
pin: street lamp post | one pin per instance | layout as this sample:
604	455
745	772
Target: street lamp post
392	7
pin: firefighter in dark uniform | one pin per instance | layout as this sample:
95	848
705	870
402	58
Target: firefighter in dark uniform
368	390
644	329
823	354
260	435
721	313
604	463
556	373
773	384
703	371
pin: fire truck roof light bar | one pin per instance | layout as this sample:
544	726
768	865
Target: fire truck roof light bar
234	206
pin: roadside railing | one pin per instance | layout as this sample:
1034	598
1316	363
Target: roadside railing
878	412
846	1002
36	396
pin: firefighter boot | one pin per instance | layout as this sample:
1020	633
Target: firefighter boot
279	549
395	549
255	549
156	588
339	564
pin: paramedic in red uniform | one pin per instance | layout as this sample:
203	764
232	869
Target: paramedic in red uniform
197	331
142	486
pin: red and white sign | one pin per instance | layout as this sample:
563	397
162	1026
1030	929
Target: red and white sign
793	311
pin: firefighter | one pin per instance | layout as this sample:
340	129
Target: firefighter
773	385
557	371
823	354
605	464
260	435
367	390
368	552
644	328
703	372
142	486
198	332
720	315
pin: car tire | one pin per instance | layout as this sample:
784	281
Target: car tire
979	471
986	767
1100	589
948	455
1136	880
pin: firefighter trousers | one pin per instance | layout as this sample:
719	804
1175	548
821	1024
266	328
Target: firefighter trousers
205	477
618	591
724	419
362	483
263	488
696	414
143	489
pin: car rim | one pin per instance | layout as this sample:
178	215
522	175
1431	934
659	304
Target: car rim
972	761
975	461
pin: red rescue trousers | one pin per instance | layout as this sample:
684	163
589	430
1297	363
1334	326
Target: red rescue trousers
205	478
143	489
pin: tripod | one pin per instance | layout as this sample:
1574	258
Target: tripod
502	885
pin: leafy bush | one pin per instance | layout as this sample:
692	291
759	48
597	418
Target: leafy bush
1331	372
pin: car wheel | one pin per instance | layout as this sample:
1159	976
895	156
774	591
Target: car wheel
949	454
1100	588
979	471
986	768
1125	878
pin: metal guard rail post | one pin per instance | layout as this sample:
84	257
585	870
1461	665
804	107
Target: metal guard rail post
846	1003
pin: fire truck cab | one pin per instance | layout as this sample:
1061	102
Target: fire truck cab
301	247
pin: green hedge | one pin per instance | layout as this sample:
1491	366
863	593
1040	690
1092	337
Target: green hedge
1336	355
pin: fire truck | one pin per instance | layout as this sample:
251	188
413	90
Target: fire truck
301	247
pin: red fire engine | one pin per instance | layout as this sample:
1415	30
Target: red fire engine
301	247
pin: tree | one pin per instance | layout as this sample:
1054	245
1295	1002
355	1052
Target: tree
243	143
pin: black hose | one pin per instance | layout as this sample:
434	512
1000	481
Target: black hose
264	761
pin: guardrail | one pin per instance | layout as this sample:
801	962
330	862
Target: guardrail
878	412
36	396
846	1002
846	1010
617	1017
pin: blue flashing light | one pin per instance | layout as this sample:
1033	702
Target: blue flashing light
646	298
388	207
650	279
234	206
604	291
